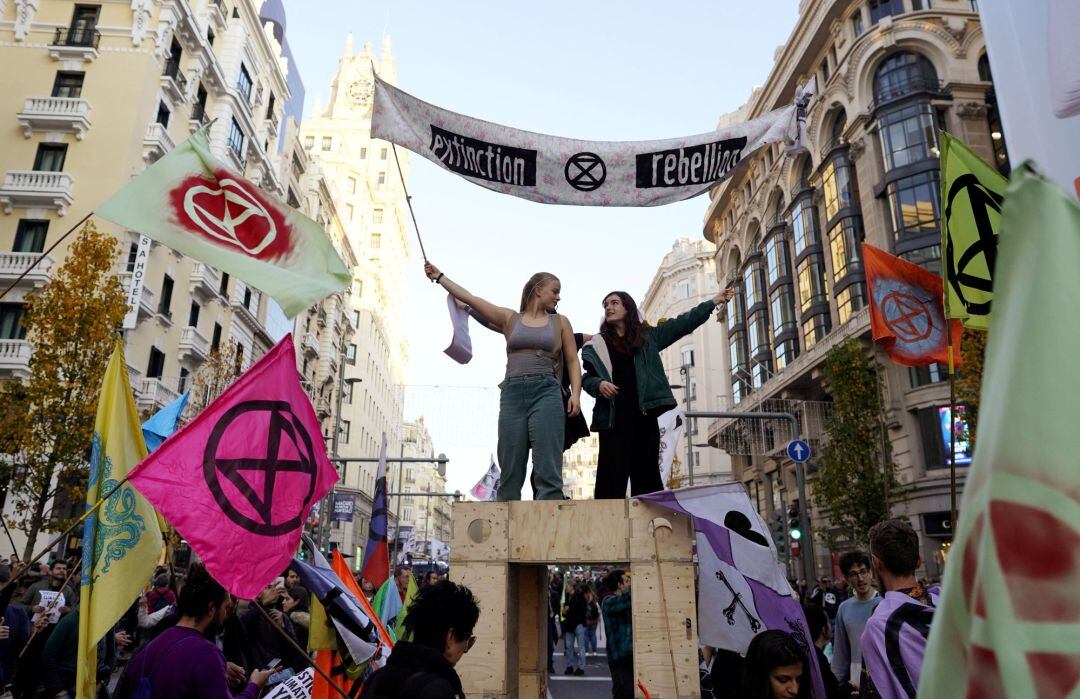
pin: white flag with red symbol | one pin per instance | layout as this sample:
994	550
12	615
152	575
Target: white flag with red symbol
192	203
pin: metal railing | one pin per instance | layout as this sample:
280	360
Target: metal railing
86	37
884	94
172	70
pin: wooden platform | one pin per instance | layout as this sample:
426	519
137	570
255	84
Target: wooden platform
501	552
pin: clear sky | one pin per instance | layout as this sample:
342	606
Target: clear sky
625	70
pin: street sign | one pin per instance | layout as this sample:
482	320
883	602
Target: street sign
798	451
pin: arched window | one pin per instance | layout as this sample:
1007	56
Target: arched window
984	69
838	127
902	74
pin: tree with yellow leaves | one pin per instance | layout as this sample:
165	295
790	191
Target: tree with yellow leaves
71	324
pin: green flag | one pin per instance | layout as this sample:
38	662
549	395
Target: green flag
410	594
192	203
1008	622
971	192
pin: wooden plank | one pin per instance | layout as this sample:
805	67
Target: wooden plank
653	631
566	531
675	546
479	532
483	669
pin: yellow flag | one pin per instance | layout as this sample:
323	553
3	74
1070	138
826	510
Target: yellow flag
121	540
971	192
410	594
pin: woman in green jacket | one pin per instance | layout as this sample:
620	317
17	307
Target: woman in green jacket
624	373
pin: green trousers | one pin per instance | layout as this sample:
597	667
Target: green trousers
531	416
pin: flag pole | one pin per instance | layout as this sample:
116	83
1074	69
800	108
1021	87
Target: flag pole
408	200
42	256
952	433
48	610
294	644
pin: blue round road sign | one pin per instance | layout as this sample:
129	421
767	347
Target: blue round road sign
798	451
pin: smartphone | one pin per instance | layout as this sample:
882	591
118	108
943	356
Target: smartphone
273	664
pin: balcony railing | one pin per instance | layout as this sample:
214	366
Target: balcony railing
311	344
205	281
157	143
155	394
172	73
68	114
36	188
193	344
891	92
80	37
15	358
13	264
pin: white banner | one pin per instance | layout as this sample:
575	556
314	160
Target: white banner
138	278
488	486
554	170
671	426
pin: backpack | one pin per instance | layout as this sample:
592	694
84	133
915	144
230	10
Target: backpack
144	690
411	687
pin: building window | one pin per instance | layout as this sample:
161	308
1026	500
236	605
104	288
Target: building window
382	154
346	428
236	138
787	351
363	153
350	354
812	289
210	36
857	23
382	179
753	284
376	240
993	119
327	142
215	341
358	291
814	329
758	326
376	216
68	84
30	236
974	5
247	297
845	243
917	5
849	301
879	9
83	25
162	115
50	157
347	393
927	374
309	142
777	259
914	202
356	314
224	288
902	74
270	106
687	356
349	211
783	310
238	359
156	366
243	82
166	297
185	380
803	219
838	183
682	289
11	321
908	135
193	315
352	185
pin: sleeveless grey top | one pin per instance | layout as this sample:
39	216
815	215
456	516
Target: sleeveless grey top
533	350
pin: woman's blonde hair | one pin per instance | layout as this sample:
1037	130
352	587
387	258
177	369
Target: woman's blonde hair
530	286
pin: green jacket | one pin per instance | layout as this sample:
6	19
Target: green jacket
653	388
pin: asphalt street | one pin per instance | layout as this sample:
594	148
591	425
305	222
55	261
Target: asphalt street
595	684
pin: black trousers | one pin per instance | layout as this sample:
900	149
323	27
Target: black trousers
629	451
622	680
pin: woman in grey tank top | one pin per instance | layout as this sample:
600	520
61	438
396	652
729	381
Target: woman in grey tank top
532	412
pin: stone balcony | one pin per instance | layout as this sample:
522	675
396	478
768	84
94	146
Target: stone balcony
193	346
157	143
173	81
75	43
14	264
147	307
155	394
311	344
63	114
205	282
36	189
15	358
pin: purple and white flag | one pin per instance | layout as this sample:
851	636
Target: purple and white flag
488	487
554	170
742	590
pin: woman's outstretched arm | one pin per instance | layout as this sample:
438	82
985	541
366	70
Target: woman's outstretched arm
496	315
570	347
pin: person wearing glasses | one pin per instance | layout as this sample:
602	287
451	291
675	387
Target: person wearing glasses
438	632
852	615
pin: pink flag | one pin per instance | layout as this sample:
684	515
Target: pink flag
239	480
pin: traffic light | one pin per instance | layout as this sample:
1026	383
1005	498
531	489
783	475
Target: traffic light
779	536
794	525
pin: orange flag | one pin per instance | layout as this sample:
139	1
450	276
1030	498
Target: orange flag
907	314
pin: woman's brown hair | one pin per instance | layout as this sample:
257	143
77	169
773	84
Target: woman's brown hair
634	330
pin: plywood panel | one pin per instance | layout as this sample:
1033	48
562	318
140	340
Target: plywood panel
566	531
479	532
653	631
532	604
676	545
483	669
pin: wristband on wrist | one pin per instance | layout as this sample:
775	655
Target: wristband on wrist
438	277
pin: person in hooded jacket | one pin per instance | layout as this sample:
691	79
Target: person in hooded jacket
623	371
439	629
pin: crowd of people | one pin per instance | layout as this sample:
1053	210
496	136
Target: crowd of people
184	637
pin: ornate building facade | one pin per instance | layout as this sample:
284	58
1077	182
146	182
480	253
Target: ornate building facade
685	278
579	468
890	73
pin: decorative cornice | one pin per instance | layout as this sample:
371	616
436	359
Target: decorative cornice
855	150
971	111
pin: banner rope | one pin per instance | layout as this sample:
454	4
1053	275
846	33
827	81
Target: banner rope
44	254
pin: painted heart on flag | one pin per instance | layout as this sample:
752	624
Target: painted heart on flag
231	211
